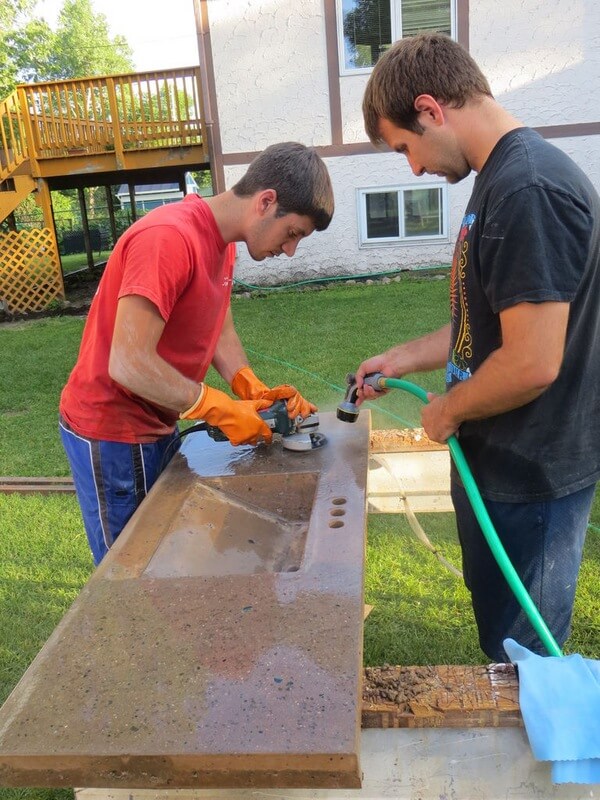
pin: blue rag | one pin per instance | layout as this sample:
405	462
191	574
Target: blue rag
560	704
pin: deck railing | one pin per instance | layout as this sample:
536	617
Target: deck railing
13	144
137	111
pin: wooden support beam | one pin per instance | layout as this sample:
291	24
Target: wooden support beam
86	229
10	485
131	187
111	214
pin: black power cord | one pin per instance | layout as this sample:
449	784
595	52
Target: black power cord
175	442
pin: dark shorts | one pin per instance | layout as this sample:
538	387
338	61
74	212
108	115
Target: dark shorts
544	542
111	480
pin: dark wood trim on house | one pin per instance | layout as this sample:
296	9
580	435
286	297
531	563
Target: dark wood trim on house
353	149
232	159
325	151
333	73
566	131
462	23
209	95
366	148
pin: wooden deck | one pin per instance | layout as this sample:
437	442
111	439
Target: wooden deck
137	121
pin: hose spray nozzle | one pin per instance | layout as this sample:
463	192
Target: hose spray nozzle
347	410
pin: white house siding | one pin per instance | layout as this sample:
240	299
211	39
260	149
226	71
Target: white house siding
270	65
352	88
542	60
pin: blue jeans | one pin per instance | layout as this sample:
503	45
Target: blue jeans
544	541
111	480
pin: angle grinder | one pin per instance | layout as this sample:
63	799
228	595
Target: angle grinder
299	434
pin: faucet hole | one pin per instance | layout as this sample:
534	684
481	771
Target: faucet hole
336	523
337	512
338	501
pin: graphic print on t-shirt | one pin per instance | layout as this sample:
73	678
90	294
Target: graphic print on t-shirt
458	364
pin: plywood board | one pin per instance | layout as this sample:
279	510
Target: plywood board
449	696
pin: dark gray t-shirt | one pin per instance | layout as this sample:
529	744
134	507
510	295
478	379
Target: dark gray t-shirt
531	233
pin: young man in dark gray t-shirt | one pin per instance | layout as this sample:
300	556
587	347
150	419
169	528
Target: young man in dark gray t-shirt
523	346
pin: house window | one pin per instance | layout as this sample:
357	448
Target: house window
402	214
368	27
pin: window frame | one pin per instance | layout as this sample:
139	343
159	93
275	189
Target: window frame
396	18
402	239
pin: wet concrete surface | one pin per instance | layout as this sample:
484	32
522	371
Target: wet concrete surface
219	644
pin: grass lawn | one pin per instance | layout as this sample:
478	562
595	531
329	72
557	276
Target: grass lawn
421	612
76	261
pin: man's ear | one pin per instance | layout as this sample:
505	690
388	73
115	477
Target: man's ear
265	199
429	107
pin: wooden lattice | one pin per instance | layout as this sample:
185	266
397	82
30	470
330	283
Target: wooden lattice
30	274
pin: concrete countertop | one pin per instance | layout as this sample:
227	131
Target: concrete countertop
219	644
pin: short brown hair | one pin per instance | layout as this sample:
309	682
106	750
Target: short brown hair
298	175
430	63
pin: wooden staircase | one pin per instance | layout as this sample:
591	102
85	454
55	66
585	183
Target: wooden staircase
13	191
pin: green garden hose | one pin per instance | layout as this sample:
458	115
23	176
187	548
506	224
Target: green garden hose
486	524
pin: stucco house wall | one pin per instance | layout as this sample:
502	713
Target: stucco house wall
273	83
271	72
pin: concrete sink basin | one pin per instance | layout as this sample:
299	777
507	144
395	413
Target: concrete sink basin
235	526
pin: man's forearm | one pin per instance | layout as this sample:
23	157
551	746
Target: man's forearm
525	365
134	362
229	354
495	388
424	354
153	379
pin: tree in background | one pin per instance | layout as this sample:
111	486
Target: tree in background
83	47
367	31
29	215
10	9
10	13
29	51
79	47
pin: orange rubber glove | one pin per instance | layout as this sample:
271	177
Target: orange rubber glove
238	419
247	386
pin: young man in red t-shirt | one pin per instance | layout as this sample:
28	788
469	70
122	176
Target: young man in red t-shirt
161	317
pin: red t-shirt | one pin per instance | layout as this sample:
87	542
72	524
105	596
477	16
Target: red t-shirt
176	257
